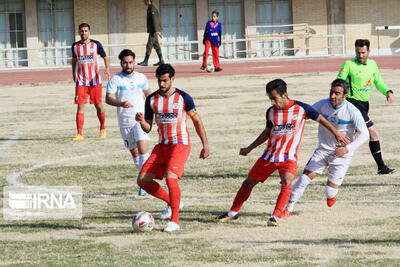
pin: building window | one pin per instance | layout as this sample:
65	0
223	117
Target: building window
12	34
56	31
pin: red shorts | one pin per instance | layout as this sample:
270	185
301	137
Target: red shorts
82	93
165	158
262	169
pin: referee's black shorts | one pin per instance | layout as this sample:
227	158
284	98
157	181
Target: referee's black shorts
364	108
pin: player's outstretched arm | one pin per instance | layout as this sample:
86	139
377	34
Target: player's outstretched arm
201	132
145	124
259	140
340	137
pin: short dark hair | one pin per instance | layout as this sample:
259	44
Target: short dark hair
215	12
362	43
84	25
341	83
126	53
278	85
164	69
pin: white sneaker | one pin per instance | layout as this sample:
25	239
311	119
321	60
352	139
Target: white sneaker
167	213
172	226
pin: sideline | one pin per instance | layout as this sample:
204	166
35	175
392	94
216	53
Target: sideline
13	180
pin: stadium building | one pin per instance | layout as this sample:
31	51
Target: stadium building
38	33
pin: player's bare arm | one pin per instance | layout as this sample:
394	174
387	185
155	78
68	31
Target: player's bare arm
145	124
111	100
107	70
201	132
390	97
340	137
74	60
259	140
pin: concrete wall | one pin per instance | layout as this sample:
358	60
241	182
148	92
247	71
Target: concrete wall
136	26
32	35
362	16
314	13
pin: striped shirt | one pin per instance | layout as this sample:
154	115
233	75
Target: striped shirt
287	126
87	71
170	115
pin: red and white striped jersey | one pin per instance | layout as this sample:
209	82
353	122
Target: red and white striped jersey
287	127
87	71
170	115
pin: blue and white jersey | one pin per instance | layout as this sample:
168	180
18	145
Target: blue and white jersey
347	119
128	89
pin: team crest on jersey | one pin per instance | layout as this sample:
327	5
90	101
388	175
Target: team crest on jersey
176	106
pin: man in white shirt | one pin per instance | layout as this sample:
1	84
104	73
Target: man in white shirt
347	119
125	91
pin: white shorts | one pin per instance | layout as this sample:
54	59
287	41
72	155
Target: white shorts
337	166
131	135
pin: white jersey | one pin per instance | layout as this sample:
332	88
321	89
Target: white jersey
128	89
347	119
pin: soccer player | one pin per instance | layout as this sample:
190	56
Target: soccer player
170	107
362	73
347	119
154	29
86	75
125	91
212	38
284	129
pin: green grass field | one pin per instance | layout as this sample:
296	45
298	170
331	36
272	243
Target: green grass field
37	124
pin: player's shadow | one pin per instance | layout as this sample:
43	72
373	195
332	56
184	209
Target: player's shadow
42	225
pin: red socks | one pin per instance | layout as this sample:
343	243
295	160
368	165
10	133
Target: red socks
282	199
241	196
174	198
102	119
156	190
80	118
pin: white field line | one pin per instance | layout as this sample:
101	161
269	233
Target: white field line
13	180
9	142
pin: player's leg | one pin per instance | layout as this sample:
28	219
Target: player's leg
315	165
141	139
260	171
336	172
81	96
298	191
207	45
215	55
375	149
178	155
96	99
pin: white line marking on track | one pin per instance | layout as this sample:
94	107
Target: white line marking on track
9	142
13	180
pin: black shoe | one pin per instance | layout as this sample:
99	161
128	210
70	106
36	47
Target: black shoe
158	63
225	217
203	67
273	221
385	170
217	69
143	63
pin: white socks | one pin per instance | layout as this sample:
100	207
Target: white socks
330	192
298	190
136	162
142	160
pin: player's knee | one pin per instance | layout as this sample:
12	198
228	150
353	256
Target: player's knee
249	183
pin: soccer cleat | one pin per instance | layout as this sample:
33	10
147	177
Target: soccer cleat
142	192
331	201
273	221
167	213
103	133
286	213
385	170
218	69
171	227
78	137
203	67
225	217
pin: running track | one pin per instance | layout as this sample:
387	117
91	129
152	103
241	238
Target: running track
191	70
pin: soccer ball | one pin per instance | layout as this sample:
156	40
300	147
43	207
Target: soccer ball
143	222
210	68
